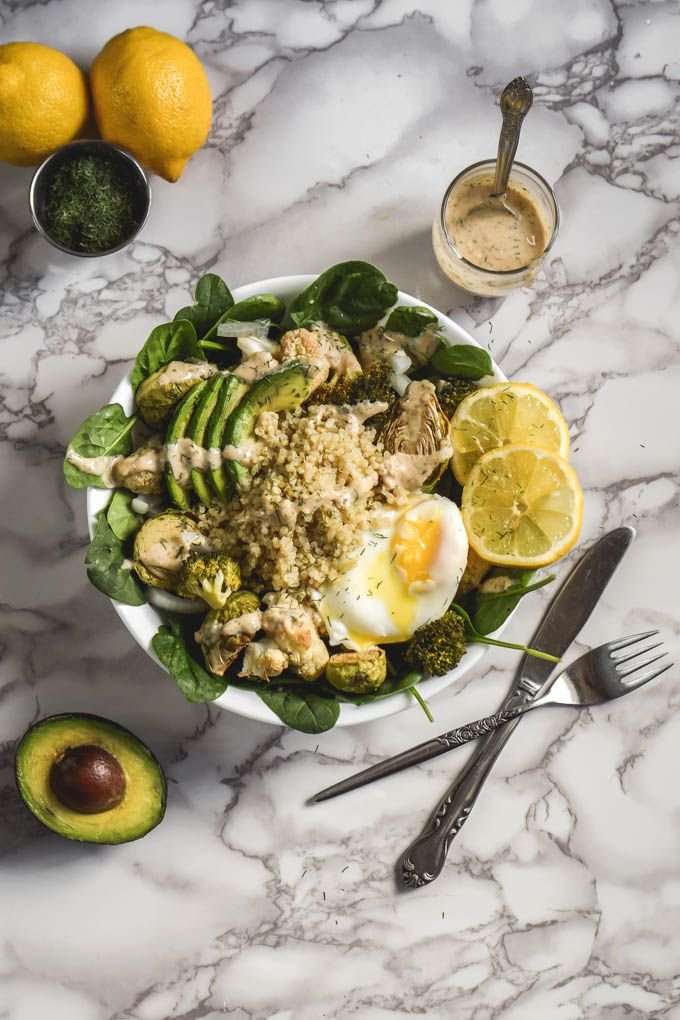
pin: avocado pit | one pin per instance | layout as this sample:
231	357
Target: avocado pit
88	779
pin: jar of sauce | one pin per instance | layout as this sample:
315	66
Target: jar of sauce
486	250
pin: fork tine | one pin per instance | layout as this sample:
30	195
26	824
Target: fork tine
618	659
639	665
614	646
646	677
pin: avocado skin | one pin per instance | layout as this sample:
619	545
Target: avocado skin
132	750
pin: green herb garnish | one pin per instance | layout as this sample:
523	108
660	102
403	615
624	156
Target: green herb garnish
91	204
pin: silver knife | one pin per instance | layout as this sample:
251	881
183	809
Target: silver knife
567	612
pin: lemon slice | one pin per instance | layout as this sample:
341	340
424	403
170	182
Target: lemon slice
502	414
522	507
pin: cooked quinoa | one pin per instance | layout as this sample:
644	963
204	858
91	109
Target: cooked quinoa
319	481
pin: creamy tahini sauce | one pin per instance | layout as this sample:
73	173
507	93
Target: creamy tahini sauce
411	470
101	466
492	238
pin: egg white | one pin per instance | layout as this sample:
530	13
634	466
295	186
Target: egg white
407	574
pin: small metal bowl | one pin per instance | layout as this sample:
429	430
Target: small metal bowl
44	175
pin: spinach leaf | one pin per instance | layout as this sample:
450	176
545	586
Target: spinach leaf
105	567
491	609
172	341
302	710
260	306
106	433
121	518
411	321
195	683
462	360
350	297
213	298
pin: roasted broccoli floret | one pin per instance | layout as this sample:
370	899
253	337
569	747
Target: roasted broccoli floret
438	646
372	385
357	672
161	546
226	631
450	392
212	577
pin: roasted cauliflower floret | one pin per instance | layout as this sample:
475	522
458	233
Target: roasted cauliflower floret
357	672
263	659
292	628
157	395
212	577
161	546
320	342
226	631
142	470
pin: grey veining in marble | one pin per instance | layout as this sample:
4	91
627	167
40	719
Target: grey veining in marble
337	126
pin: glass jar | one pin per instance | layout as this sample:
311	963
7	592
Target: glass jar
487	281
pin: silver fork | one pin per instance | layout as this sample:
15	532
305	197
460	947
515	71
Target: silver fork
597	676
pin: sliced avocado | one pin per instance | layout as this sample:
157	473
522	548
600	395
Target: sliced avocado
282	390
227	399
179	494
89	779
196	432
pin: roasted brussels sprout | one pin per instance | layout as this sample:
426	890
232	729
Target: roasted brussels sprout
161	546
157	395
419	429
142	470
475	571
226	631
357	672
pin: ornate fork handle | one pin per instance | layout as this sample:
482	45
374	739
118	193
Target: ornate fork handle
474	730
425	857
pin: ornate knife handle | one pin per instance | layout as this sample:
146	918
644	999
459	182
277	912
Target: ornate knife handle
423	861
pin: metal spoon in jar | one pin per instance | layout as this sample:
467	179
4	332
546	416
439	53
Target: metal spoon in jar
516	101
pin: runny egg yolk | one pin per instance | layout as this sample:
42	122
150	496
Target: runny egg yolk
417	542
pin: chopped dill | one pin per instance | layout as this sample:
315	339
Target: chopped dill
91	205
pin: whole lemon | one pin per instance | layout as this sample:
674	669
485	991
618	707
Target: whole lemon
43	102
151	95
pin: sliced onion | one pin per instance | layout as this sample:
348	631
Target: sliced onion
139	505
250	345
258	327
399	362
399	382
171	603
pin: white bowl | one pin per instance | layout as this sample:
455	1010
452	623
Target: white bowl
144	621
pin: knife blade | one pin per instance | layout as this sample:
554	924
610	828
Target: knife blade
565	616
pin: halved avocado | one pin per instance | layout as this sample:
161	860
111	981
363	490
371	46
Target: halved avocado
89	779
282	390
196	432
179	423
227	399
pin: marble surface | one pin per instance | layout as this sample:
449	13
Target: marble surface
337	126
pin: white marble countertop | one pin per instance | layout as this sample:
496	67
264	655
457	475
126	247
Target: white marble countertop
337	127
